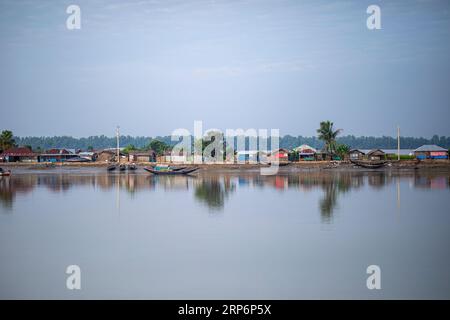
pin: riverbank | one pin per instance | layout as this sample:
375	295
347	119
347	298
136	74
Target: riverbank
293	166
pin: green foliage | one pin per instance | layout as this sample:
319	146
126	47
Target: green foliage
342	150
402	157
211	136
293	156
158	146
287	142
129	148
6	140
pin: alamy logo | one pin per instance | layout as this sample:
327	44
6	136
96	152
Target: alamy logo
73	281
374	20
374	280
73	21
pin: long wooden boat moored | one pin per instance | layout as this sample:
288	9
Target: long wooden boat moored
4	173
111	167
369	164
177	168
171	172
280	163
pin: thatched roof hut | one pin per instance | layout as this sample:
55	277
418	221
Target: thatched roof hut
376	154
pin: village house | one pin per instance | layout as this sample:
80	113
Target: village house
89	155
171	157
248	156
19	154
431	151
142	156
280	155
305	152
107	155
323	155
356	154
57	155
376	154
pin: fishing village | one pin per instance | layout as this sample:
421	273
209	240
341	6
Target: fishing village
160	158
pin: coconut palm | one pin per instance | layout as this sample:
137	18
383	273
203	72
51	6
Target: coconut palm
328	135
6	140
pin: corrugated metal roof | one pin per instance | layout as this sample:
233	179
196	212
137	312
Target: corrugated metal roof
429	148
357	150
376	152
18	152
304	148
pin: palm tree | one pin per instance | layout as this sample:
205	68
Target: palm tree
328	135
6	140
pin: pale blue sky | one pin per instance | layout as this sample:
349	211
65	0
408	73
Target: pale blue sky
153	66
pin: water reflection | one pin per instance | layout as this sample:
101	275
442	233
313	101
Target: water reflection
213	189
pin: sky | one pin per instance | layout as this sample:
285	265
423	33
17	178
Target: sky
155	66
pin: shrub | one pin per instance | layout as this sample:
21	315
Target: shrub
402	157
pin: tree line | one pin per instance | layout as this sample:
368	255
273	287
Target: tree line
289	142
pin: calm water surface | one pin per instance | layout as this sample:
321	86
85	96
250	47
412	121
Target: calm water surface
224	235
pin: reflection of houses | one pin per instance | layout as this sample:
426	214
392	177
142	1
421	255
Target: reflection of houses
356	154
430	182
57	155
305	152
18	154
377	179
281	182
376	154
431	152
142	156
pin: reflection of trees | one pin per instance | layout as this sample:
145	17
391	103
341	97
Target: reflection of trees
328	203
9	187
213	192
214	188
339	184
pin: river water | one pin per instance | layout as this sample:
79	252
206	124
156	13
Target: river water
224	235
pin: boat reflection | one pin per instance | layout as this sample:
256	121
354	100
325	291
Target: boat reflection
213	189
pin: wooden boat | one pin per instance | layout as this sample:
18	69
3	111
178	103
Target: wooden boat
132	167
122	167
369	164
282	163
170	172
177	168
111	167
165	167
4	173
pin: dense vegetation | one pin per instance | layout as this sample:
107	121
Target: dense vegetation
288	142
